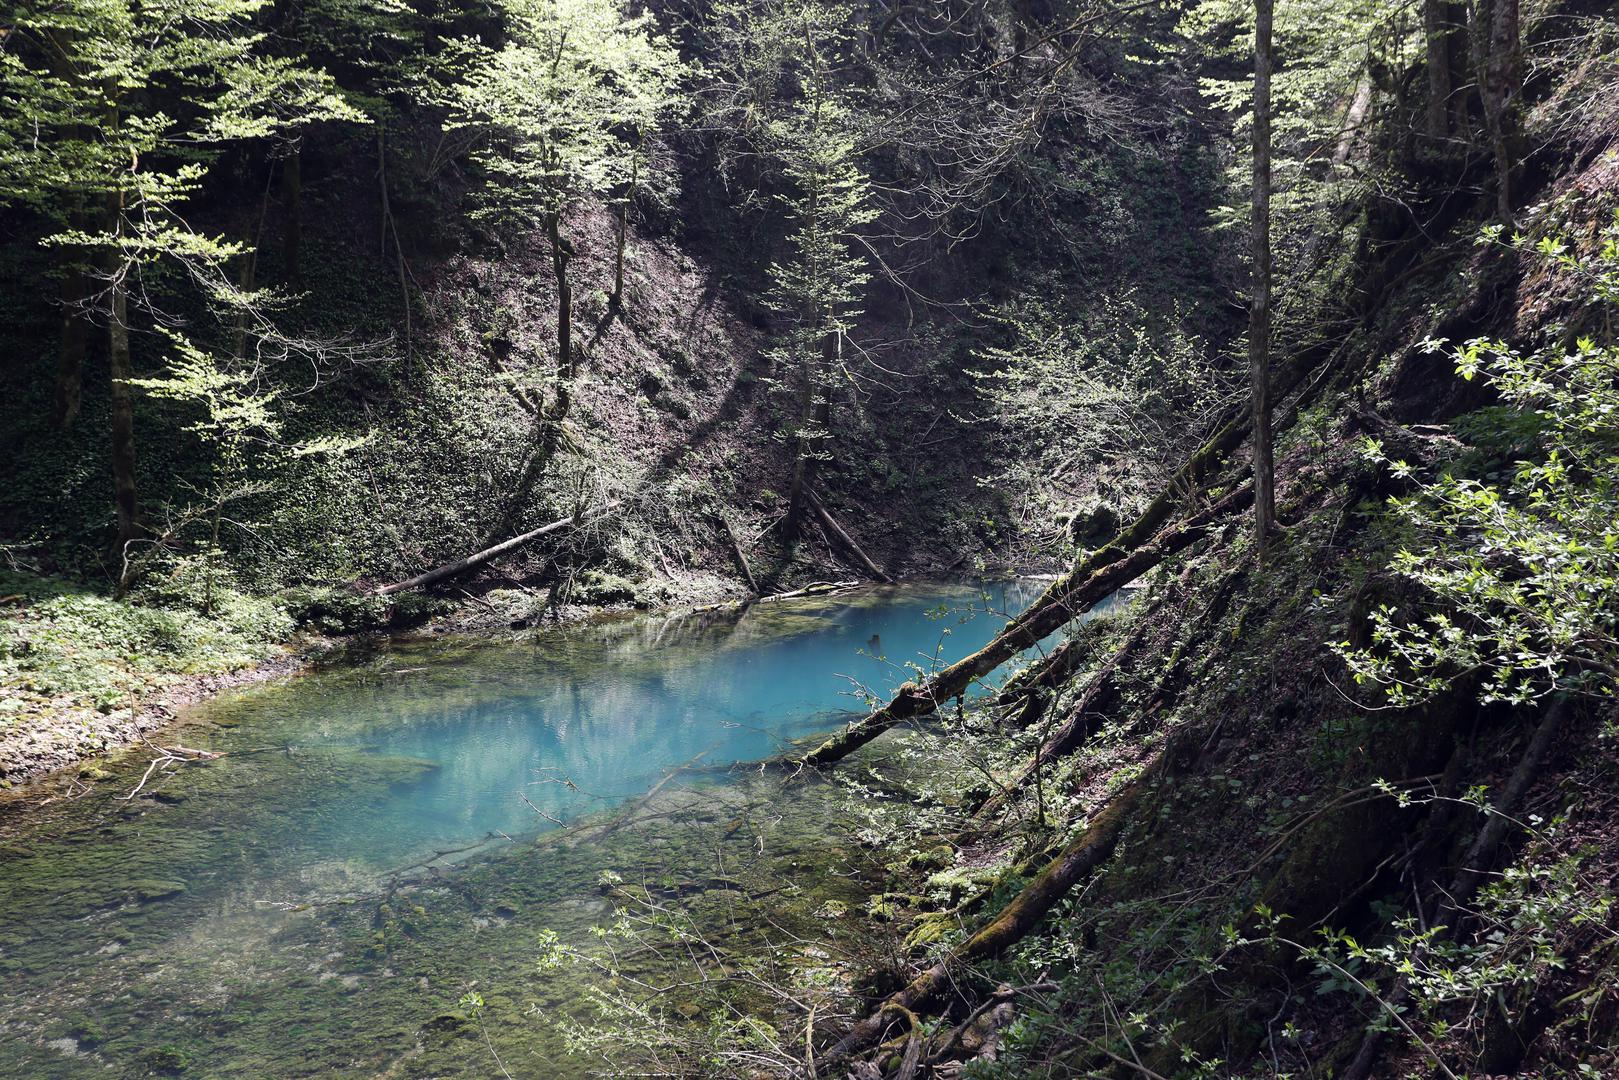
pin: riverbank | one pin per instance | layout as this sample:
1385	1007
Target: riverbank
82	674
63	735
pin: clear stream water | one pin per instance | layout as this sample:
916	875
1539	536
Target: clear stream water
384	833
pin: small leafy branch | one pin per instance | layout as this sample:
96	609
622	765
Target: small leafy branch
1522	570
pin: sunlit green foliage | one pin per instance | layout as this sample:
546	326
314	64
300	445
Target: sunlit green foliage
1521	569
1113	399
565	105
238	424
121	111
1328	51
783	73
130	101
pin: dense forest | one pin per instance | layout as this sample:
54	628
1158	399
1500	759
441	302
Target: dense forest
1272	346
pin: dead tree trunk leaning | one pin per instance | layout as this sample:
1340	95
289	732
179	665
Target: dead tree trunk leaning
1192	478
1259	308
1481	854
736	549
1135	550
461	566
1089	713
843	539
1083	721
1475	866
1088	583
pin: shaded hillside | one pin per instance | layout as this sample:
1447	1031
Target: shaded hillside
1209	836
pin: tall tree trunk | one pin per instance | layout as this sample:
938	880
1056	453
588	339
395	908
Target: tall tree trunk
616	300
1436	28
287	16
120	369
123	406
73	346
814	418
292	222
1500	91
1259	330
388	224
1460	68
246	282
561	253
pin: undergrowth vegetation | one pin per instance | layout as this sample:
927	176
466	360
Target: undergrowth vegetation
65	647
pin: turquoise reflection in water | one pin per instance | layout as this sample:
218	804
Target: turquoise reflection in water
524	736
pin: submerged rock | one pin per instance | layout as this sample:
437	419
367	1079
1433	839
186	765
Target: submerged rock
153	889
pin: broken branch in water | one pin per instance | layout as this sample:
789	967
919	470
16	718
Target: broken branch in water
166	756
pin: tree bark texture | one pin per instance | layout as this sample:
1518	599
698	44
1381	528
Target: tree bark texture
1436	29
1259	312
1502	74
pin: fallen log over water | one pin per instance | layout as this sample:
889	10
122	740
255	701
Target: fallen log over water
1091	581
814	588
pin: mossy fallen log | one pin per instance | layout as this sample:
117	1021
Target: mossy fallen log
1076	862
